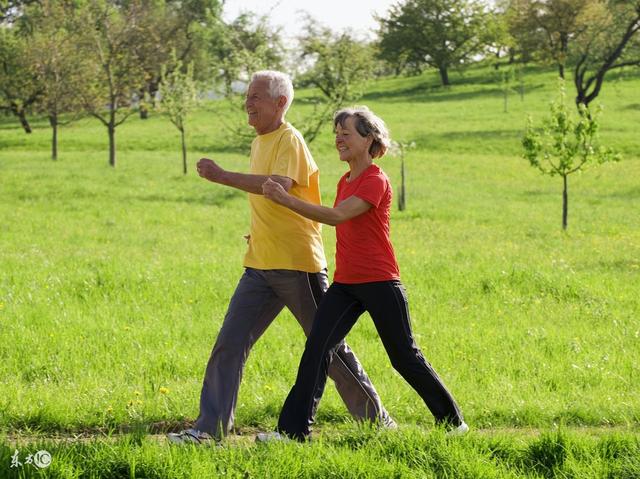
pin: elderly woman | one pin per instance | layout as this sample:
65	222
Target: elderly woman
366	278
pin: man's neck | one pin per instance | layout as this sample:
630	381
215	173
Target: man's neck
272	127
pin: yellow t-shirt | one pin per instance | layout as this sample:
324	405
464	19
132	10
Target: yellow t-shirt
280	238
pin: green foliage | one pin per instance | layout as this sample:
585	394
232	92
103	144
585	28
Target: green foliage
178	92
611	41
510	78
243	46
339	67
237	50
112	40
438	33
178	97
565	145
54	57
59	66
171	31
547	29
19	89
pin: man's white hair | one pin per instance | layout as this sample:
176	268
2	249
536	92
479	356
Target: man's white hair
279	85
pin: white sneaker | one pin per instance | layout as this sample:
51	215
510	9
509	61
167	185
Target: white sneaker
272	436
461	430
389	423
189	436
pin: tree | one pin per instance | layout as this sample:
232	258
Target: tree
243	46
549	27
527	39
400	149
565	146
500	42
510	78
116	74
18	88
57	66
176	26
237	49
12	9
178	96
610	42
339	67
438	33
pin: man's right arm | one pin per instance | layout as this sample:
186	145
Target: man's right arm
250	183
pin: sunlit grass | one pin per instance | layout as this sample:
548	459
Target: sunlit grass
114	282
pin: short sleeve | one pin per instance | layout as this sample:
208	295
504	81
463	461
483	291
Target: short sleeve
372	189
294	160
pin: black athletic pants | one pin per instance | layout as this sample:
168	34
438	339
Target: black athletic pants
338	311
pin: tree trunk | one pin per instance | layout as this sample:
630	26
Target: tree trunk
564	48
112	144
565	203
144	112
53	121
401	198
184	152
19	112
444	75
506	98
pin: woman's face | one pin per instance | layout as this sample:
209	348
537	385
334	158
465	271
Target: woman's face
349	143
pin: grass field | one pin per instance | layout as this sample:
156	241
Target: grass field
114	282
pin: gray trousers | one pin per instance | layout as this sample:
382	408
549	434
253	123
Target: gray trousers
258	299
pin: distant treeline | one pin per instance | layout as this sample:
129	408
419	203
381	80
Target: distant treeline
107	58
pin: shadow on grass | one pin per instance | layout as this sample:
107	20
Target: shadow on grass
12	123
617	266
427	93
206	200
37	425
538	193
630	194
473	140
228	148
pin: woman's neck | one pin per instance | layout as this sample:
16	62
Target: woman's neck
358	165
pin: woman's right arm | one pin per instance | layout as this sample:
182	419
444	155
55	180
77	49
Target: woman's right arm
347	209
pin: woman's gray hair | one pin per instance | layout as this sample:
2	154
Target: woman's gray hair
279	85
367	123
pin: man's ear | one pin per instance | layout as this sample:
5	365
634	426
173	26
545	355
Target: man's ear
282	101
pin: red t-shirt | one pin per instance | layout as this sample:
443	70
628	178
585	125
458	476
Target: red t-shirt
364	253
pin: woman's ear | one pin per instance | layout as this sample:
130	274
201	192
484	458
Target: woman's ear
370	140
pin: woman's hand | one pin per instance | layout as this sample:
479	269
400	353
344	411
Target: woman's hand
274	191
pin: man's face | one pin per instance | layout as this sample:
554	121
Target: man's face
263	110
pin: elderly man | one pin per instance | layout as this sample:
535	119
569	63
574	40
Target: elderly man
284	266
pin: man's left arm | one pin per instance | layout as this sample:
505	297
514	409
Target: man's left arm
250	183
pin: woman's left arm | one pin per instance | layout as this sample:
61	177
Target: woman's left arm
347	209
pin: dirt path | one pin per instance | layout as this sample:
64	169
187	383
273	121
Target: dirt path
247	436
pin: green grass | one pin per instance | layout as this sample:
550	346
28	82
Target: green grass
352	454
114	282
